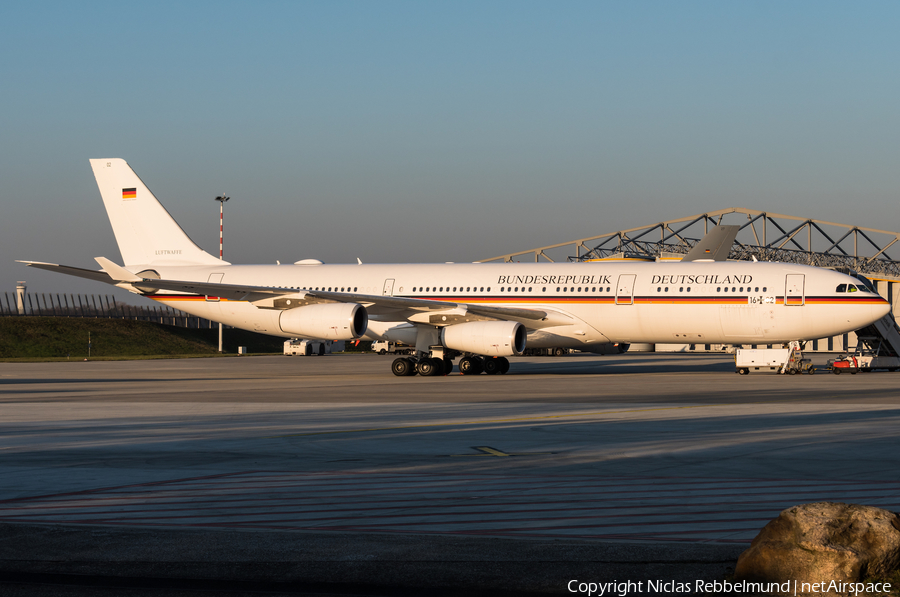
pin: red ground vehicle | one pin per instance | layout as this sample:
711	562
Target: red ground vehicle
844	363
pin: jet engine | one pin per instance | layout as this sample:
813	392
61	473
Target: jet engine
326	321
492	338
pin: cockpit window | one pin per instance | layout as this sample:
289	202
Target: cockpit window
852	288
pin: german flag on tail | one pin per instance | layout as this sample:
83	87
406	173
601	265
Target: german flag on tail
129	193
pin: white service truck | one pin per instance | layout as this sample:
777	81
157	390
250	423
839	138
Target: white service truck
385	347
771	360
305	348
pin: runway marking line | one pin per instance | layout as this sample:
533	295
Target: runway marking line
510	420
489	451
116	487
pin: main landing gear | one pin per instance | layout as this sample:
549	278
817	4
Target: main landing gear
430	367
490	365
427	367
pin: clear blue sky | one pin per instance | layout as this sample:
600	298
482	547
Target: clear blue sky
429	131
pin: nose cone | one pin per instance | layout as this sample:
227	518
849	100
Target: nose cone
868	314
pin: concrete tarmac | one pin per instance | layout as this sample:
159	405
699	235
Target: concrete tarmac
623	467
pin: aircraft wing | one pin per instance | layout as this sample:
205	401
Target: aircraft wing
391	303
265	296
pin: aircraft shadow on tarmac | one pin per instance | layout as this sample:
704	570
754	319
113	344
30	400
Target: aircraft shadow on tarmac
89	380
619	366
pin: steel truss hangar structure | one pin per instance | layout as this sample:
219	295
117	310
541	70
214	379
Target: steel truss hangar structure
763	235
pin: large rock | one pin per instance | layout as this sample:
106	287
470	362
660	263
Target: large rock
823	541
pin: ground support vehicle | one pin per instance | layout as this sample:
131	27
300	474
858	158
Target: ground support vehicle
772	360
871	363
546	352
865	360
384	347
305	348
845	362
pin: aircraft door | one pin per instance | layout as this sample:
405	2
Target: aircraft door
625	289
388	287
793	290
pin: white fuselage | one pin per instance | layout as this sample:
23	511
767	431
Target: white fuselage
590	303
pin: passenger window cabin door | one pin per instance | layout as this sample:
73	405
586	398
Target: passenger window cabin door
625	289
388	287
793	290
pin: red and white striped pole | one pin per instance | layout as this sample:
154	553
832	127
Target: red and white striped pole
221	199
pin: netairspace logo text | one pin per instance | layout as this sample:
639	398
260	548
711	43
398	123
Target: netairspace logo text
627	587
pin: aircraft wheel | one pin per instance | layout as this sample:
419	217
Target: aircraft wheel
402	367
448	366
429	367
504	365
492	366
558	352
466	367
479	364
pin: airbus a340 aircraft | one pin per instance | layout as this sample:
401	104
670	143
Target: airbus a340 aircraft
482	312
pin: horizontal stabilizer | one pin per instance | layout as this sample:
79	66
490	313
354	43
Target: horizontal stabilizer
72	271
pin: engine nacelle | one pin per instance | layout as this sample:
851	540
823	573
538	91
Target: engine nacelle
491	338
326	321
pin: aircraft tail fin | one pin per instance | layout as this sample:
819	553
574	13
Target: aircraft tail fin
715	246
146	233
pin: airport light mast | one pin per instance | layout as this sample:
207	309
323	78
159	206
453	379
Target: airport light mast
221	199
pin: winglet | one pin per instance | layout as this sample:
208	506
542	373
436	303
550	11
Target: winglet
116	272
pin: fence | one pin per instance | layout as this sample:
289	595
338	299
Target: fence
97	306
